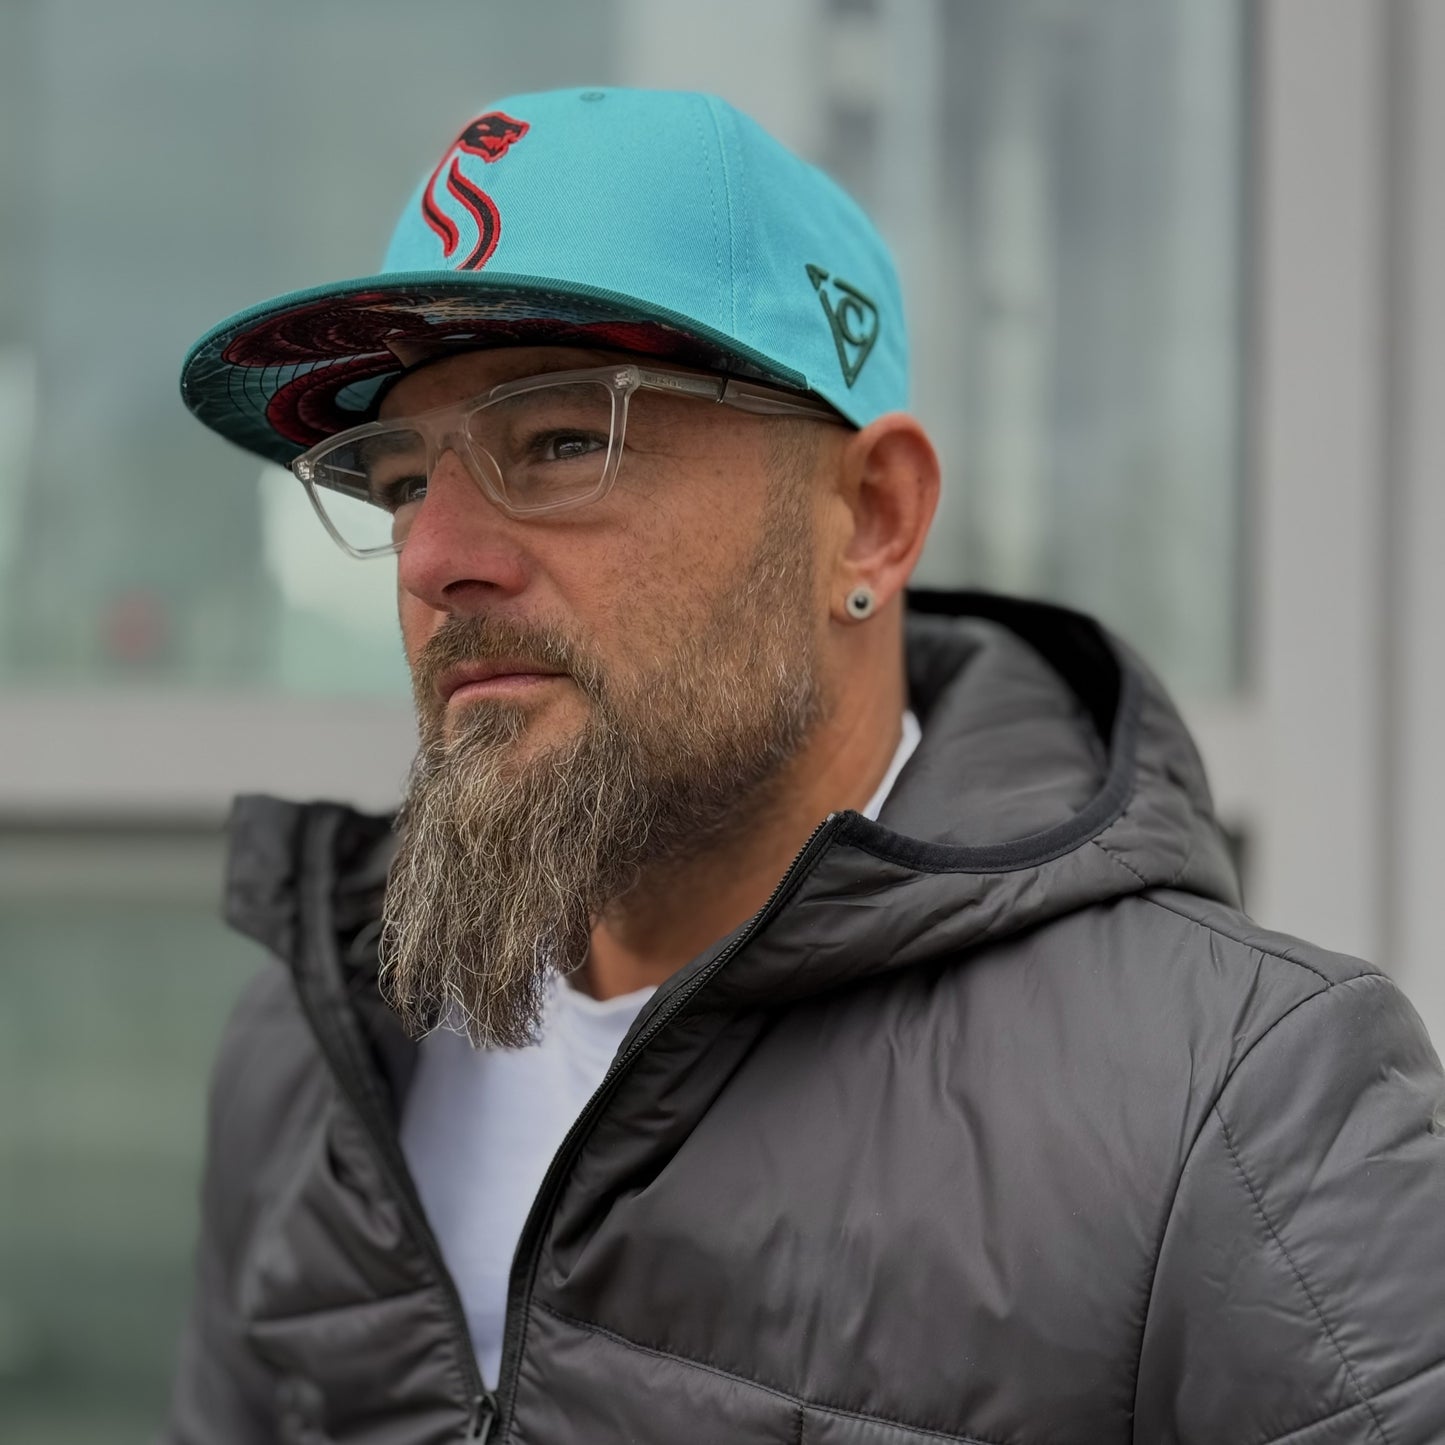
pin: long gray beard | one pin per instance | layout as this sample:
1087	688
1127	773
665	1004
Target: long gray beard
504	865
500	871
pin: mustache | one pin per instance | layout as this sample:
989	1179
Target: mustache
461	640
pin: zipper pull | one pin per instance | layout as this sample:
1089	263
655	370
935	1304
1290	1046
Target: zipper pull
484	1416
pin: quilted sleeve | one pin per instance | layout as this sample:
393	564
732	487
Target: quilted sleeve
1299	1294
221	1394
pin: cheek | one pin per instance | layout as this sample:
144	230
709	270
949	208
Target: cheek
674	557
636	575
629	594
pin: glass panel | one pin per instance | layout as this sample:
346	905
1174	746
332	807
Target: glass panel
1069	226
1063	185
248	149
116	976
1086	388
1061	182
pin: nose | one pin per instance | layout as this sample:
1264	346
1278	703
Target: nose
462	552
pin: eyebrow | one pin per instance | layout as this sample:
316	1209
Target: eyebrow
384	445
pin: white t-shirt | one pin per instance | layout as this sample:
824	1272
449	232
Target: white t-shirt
480	1126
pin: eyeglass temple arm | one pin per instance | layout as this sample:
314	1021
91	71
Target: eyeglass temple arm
744	395
768	401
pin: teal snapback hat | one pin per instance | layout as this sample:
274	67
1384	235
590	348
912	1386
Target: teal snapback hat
664	223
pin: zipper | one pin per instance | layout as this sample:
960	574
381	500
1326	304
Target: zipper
484	1416
524	1263
346	1053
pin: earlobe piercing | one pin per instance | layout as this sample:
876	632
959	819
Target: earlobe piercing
859	603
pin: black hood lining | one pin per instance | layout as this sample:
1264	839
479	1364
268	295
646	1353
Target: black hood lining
1074	645
1081	653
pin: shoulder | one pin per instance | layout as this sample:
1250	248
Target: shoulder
1172	960
1151	1005
1304	1236
1302	1012
1237	937
1235	982
1269	983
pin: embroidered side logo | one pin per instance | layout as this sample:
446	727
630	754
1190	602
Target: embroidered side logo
490	136
852	318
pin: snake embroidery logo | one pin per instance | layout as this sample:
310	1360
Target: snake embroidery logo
852	318
490	136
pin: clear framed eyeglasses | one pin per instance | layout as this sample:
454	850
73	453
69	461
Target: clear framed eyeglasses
535	446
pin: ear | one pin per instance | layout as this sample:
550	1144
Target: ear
887	492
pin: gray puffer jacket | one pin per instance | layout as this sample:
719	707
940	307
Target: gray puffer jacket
1000	1123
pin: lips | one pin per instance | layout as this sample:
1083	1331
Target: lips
456	678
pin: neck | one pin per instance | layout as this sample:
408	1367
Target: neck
683	905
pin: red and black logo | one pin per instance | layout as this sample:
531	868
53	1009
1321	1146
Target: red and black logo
490	136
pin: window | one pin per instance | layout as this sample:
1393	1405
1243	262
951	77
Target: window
116	976
1063	186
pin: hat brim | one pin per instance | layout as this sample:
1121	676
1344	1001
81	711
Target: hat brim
284	375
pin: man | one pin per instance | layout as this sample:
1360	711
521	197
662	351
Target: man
783	1075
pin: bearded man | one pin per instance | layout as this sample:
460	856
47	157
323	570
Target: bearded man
785	1008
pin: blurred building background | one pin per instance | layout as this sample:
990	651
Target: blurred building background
1180	333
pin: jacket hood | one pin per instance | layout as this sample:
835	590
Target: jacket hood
1053	774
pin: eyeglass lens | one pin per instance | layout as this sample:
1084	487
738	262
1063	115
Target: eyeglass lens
535	450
